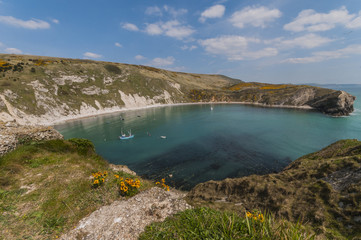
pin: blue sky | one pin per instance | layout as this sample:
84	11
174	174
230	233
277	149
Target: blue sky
275	41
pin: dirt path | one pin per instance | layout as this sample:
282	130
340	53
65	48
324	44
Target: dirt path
127	219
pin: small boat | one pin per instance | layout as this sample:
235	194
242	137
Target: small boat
164	137
129	136
211	108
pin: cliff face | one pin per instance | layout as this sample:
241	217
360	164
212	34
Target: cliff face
328	101
322	189
43	90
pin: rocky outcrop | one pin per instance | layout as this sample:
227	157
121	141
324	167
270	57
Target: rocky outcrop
338	103
322	188
127	219
328	101
12	134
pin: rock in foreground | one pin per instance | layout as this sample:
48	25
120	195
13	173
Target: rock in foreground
127	219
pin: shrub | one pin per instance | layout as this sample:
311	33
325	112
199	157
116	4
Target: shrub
84	146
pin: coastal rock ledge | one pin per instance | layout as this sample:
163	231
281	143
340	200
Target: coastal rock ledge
339	103
12	135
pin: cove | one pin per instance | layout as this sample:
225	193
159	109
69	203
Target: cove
202	144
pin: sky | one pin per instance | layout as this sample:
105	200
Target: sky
274	41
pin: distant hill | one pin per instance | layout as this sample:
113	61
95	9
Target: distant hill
43	90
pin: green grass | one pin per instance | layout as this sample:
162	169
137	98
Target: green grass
206	223
46	188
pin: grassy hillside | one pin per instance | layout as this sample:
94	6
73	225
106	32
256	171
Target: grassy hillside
47	187
43	89
322	189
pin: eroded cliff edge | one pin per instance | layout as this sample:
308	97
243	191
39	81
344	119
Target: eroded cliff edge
45	90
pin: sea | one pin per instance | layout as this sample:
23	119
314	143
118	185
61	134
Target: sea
190	144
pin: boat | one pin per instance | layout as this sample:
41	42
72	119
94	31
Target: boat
164	137
124	137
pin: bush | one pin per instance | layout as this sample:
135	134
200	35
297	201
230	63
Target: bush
84	146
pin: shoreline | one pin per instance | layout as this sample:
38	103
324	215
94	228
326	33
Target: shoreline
125	109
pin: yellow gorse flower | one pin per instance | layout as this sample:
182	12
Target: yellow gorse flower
99	178
163	185
128	186
255	216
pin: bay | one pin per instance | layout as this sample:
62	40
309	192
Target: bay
213	142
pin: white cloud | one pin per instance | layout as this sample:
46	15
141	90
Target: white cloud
13	51
171	29
130	27
216	11
355	23
155	11
29	24
92	55
310	40
310	20
190	48
235	47
255	16
118	45
174	12
139	57
327	55
162	62
56	21
154	29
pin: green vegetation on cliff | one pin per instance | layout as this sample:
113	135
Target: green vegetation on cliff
322	189
42	90
47	187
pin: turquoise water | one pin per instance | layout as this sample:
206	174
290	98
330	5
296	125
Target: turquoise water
202	144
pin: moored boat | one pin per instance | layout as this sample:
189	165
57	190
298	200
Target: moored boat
129	136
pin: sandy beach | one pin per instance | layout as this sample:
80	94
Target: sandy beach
125	109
